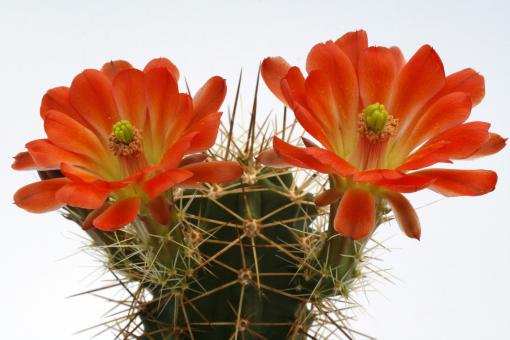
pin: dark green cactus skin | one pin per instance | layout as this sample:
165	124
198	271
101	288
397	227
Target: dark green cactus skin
269	315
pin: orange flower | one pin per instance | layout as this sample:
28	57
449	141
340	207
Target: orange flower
120	137
378	118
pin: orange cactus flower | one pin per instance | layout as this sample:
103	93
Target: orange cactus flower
121	138
380	119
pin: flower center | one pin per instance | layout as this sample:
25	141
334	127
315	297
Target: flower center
376	124
125	140
375	127
375	117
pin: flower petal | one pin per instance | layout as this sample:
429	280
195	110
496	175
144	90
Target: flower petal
209	98
91	95
160	210
293	87
355	216
377	75
270	158
23	161
118	215
129	94
164	181
330	159
49	156
214	172
298	156
273	70
58	99
327	197
114	67
468	81
341	74
447	112
450	182
68	134
206	130
162	63
163	102
312	126
418	81
458	142
39	197
353	44
393	180
83	195
493	145
404	214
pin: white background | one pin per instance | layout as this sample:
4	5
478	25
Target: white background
451	285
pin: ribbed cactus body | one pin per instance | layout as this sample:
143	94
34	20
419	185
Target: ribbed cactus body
252	279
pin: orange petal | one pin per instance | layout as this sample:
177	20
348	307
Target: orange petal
173	156
39	197
78	173
164	181
398	57
312	126
196	158
88	222
458	142
404	214
320	99
418	81
68	134
58	99
355	216
298	156
209	98
327	197
23	161
214	172
449	182
206	131
270	158
83	195
91	95
341	74
273	70
494	144
163	102
112	68
393	180
293	87
118	215
445	113
468	81
329	159
49	156
377	74
129	94
163	63
160	210
353	44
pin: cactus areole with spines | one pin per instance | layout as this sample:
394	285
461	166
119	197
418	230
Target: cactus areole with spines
252	237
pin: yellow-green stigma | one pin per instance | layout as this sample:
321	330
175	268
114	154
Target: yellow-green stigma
375	117
124	131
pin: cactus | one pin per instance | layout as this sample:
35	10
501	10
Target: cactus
251	259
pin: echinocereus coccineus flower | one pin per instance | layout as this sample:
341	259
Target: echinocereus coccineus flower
381	121
121	139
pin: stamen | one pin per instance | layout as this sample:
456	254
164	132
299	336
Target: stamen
376	124
125	140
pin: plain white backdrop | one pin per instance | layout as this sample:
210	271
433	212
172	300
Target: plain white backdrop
451	285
